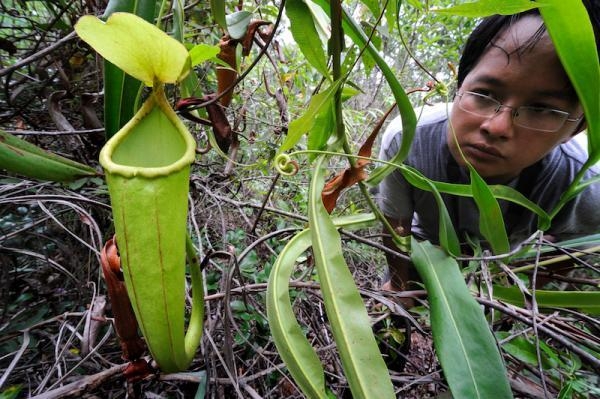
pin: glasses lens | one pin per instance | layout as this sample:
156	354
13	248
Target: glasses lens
539	118
535	118
478	104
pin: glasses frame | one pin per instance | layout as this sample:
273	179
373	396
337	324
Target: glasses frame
515	111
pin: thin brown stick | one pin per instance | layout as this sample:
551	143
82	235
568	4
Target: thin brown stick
38	55
83	385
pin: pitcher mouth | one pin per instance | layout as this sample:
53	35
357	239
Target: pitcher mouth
180	137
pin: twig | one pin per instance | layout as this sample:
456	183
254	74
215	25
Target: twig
264	203
592	360
83	385
231	378
15	360
37	55
51	262
251	205
54	132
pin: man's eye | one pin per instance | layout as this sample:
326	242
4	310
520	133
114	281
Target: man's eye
483	92
540	110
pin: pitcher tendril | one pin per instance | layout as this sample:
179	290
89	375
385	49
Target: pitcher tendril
286	165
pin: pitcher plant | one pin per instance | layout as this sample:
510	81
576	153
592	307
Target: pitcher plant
147	167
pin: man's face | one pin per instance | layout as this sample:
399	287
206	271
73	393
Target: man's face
497	148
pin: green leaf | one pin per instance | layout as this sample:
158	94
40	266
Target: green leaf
217	9
373	6
12	392
463	341
178	20
363	365
121	91
391	13
305	34
585	301
491	222
409	118
203	52
321	129
20	156
448	238
136	46
571	31
190	86
417	179
318	104
484	8
237	24
300	358
525	350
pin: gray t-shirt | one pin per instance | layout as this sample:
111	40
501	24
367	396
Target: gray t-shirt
543	184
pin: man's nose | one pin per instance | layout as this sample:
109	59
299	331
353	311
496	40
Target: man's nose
501	123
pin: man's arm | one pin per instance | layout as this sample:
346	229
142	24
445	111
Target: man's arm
401	271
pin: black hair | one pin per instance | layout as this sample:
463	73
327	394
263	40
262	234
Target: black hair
491	27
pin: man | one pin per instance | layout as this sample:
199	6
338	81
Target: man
512	119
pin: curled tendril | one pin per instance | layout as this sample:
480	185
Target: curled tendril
286	165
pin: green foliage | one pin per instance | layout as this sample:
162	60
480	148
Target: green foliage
489	7
20	156
305	34
297	353
466	348
585	301
319	105
299	356
121	91
237	23
362	361
137	47
11	392
491	222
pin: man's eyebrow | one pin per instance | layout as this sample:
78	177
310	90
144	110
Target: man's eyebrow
487	79
566	91
561	93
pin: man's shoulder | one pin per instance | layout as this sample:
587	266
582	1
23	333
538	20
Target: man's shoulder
429	117
574	153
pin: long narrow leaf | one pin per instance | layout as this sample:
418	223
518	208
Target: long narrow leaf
448	238
409	118
318	103
463	341
20	156
484	8
305	34
363	364
295	350
491	222
299	356
190	85
217	8
586	301
417	179
571	31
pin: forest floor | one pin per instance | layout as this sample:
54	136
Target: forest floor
56	333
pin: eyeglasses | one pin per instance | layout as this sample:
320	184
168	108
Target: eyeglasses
530	117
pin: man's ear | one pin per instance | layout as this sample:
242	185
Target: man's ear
581	126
